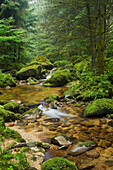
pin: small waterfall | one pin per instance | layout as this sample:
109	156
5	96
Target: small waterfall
54	113
48	76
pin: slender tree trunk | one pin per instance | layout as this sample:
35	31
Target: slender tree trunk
67	41
92	42
100	38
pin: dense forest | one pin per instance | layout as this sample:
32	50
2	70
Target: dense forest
73	37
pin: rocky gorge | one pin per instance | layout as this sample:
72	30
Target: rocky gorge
52	124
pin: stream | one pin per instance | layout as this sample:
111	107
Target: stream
64	119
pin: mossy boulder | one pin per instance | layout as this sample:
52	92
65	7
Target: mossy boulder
2	102
8	115
6	80
58	163
43	61
52	98
29	71
12	106
99	108
59	78
34	113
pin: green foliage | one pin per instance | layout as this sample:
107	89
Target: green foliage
58	163
99	108
59	78
9	133
90	86
6	80
12	161
60	63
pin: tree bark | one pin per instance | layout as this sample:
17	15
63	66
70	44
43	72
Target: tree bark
100	38
92	41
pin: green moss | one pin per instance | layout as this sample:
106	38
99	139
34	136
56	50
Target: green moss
52	97
87	144
79	104
13	134
58	163
2	121
8	115
59	78
99	108
29	71
33	111
12	106
2	102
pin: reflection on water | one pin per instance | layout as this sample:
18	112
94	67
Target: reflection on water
30	93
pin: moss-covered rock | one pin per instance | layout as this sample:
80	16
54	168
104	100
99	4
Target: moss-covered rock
99	108
32	114
52	97
8	115
6	80
29	71
12	106
32	81
2	102
58	163
43	61
59	78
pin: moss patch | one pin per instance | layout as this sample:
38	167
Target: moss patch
99	108
8	115
12	106
59	78
29	71
58	163
52	97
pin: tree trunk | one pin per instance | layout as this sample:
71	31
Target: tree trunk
100	38
92	41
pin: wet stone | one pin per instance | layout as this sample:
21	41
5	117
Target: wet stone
86	166
110	123
92	154
109	162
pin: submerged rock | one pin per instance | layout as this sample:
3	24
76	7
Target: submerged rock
80	148
61	140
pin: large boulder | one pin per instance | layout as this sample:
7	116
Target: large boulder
29	71
8	115
12	106
43	61
58	163
99	108
59	78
